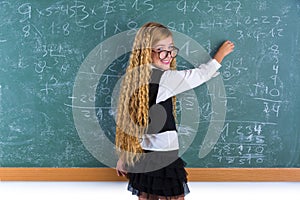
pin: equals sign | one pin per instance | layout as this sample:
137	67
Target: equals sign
255	20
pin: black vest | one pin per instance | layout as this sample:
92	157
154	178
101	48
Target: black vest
161	116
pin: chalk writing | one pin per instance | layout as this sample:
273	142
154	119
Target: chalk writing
43	44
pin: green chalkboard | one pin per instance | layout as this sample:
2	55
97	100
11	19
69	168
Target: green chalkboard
61	63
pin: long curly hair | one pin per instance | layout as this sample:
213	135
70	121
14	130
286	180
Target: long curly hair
133	106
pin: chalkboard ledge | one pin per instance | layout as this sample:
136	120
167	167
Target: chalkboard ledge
108	174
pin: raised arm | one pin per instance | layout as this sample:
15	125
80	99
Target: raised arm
174	82
225	49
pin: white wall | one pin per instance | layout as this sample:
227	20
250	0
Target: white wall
117	190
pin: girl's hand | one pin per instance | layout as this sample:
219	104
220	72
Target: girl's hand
120	168
225	49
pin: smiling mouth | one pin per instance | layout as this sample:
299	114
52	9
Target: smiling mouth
166	62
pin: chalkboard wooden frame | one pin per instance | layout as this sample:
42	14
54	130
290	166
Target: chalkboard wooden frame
54	40
108	174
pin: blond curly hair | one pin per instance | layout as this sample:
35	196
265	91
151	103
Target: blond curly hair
133	106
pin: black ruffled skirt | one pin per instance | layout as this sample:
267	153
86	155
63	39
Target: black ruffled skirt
159	173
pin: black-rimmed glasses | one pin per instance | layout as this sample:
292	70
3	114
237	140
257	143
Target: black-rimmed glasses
162	54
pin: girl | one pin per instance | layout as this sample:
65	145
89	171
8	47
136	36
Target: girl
146	135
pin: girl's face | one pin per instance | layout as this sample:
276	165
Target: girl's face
161	59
